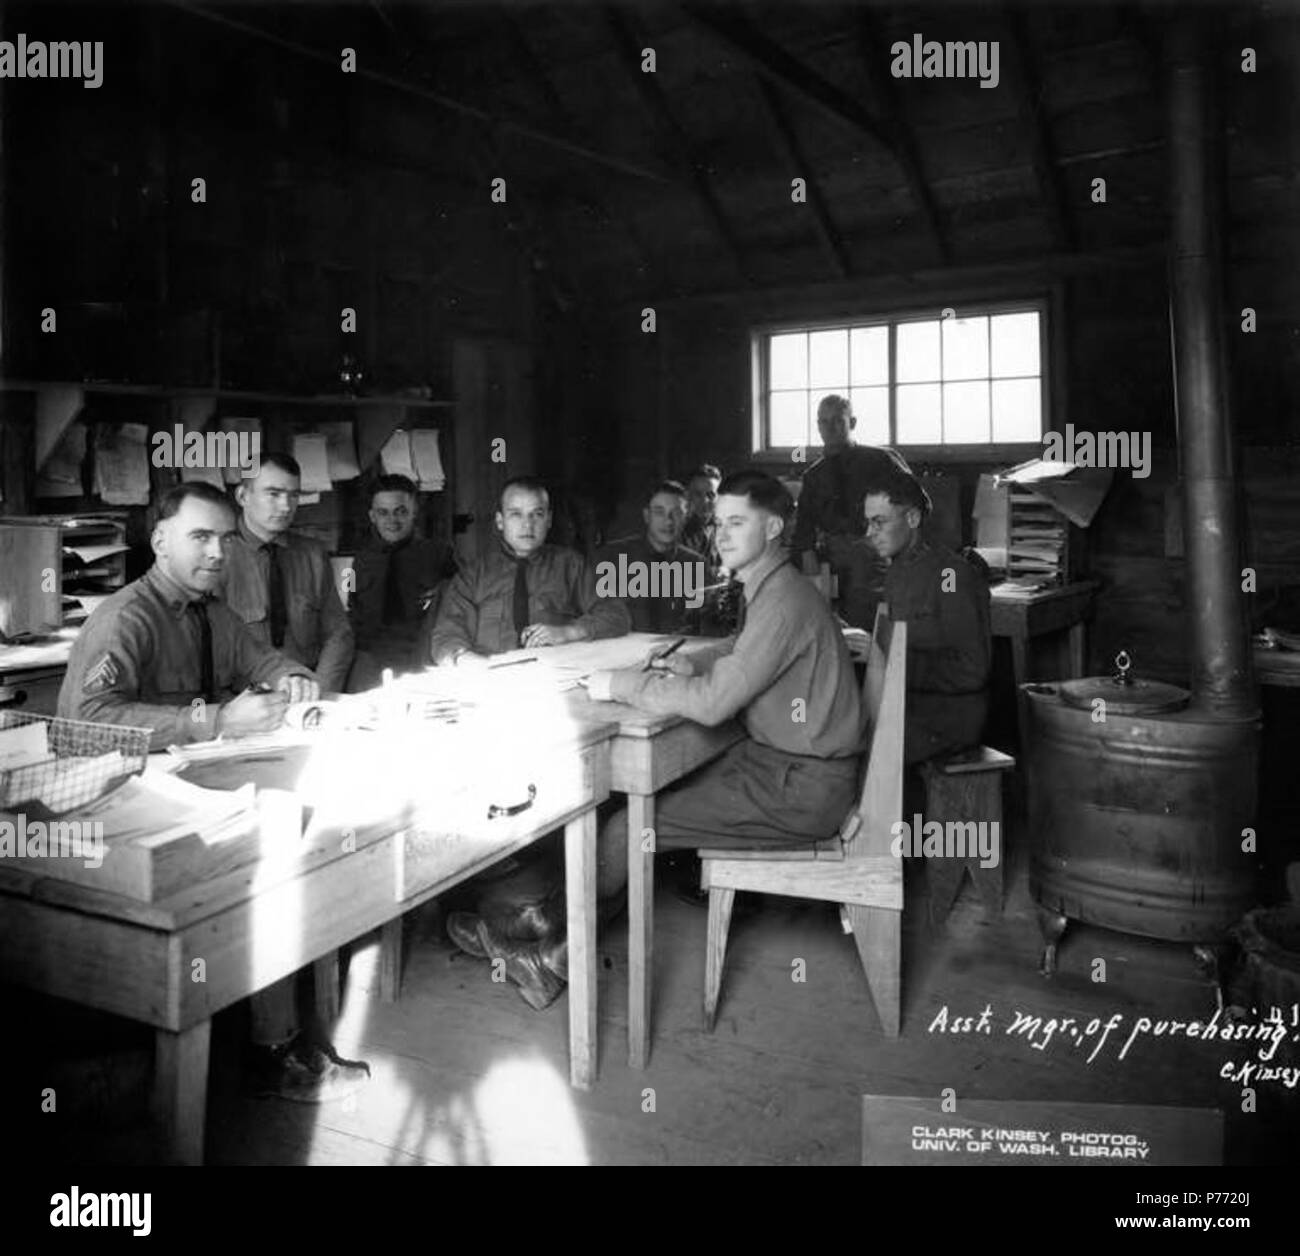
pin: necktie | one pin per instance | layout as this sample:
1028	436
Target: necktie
521	595
740	607
207	676
394	607
275	591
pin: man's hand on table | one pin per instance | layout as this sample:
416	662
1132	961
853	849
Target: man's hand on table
299	688
551	634
252	712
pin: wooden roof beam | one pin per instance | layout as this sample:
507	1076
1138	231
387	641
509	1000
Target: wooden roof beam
741	36
827	232
628	44
1024	70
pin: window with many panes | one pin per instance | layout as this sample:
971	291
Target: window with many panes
977	379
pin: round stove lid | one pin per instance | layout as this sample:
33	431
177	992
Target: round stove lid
1137	697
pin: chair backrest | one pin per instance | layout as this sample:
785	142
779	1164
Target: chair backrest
884	698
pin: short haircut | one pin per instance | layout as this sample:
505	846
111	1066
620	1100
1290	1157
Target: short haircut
706	470
902	488
833	403
392	484
285	462
174	498
675	487
762	490
529	483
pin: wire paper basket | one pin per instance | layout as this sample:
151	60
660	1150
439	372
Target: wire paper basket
84	762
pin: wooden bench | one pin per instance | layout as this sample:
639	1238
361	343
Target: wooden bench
966	787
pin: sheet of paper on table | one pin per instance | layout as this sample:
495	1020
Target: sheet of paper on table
27	743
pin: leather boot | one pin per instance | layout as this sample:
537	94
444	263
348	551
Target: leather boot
538	985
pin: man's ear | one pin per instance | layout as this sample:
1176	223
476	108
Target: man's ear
501	521
775	526
241	492
914	518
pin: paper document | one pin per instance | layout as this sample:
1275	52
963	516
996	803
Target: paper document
427	460
27	743
341	451
396	455
311	453
122	464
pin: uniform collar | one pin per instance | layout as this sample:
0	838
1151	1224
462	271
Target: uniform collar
757	575
250	538
510	555
174	597
918	548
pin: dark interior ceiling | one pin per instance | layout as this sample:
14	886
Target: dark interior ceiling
680	180
621	184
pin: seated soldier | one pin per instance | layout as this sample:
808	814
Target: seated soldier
786	676
945	604
281	583
162	654
522	592
669	576
399	577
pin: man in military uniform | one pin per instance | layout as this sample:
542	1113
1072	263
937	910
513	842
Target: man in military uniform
161	654
527	593
944	601
679	569
280	583
522	592
829	523
399	579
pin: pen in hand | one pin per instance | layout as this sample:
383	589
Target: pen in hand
657	658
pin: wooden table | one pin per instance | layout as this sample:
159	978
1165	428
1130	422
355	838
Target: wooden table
1021	617
1276	667
174	963
648	753
36	669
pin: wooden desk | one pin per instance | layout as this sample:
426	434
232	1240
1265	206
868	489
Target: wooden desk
1022	617
648	753
347	878
36	668
1280	668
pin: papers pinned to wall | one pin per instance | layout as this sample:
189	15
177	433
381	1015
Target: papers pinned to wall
396	455
415	455
231	423
60	475
122	464
311	454
428	462
341	451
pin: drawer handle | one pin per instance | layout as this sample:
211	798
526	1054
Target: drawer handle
495	811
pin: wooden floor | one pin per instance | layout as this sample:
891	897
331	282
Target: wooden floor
465	1073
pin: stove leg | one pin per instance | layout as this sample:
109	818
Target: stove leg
1052	926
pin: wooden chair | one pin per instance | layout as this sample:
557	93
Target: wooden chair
854	867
